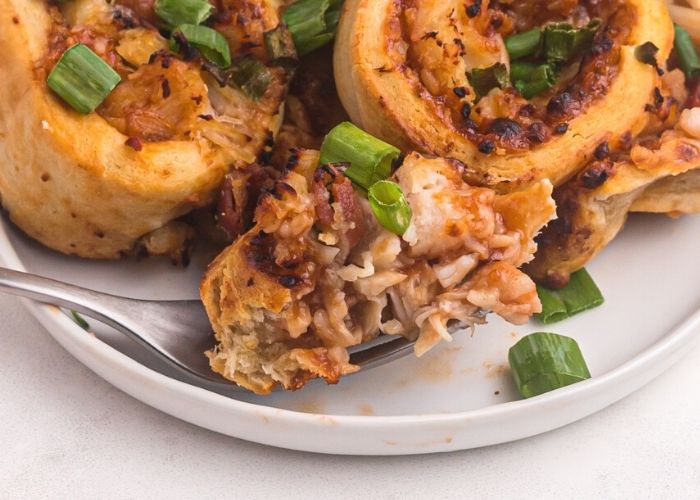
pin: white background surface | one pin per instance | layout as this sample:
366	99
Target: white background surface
65	433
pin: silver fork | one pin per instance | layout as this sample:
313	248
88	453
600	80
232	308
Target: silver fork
176	331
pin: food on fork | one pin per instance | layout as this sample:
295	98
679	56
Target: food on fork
519	90
320	272
109	131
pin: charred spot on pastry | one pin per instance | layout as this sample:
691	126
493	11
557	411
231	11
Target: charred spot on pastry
100	234
474	9
602	151
250	282
561	129
429	34
561	104
165	85
470	124
15	19
536	133
505	128
206	118
487	147
596	175
466	110
45	177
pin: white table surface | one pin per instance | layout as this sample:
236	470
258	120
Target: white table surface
65	433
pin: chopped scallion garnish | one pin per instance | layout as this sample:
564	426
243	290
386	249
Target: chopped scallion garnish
251	76
390	206
211	44
177	12
370	158
82	78
280	46
531	79
524	44
80	321
562	41
312	23
483	80
581	294
688	58
543	362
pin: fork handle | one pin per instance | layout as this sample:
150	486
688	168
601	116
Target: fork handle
83	300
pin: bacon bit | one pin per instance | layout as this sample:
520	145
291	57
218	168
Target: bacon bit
330	186
134	143
239	196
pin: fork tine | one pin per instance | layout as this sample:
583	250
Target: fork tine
378	353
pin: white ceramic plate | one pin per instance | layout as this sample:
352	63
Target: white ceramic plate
458	396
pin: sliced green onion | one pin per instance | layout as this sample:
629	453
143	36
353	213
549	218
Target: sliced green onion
280	46
524	44
177	12
82	78
688	57
312	23
370	158
533	80
543	362
581	294
562	41
251	76
210	43
483	80
522	71
390	206
80	321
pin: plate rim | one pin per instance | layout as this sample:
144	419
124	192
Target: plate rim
642	368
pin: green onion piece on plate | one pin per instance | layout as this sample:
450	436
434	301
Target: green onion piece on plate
82	78
312	23
390	206
370	158
524	44
177	12
210	43
687	54
543	362
483	80
581	294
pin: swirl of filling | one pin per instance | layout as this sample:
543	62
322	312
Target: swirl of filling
437	76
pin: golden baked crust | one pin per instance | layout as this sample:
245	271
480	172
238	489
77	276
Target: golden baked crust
387	95
69	180
662	178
